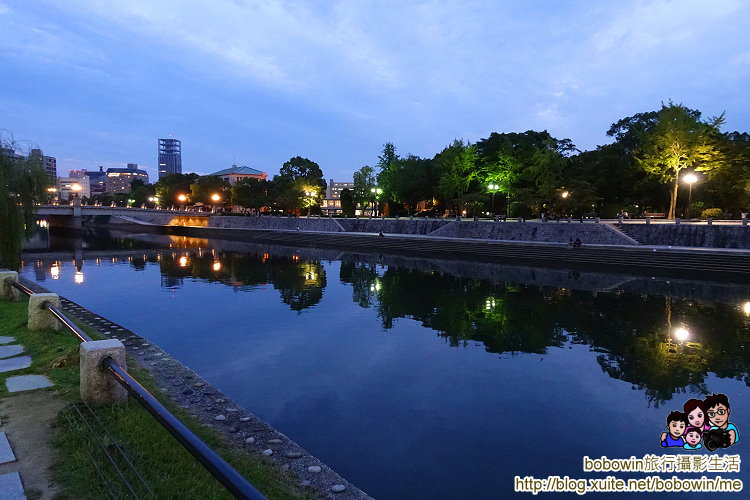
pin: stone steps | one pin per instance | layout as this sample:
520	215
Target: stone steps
11	485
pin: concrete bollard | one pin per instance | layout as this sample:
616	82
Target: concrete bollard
6	290
39	316
648	219
497	218
744	219
710	221
97	386
570	220
677	221
619	219
520	219
596	219
476	218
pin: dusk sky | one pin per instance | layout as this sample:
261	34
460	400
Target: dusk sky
254	83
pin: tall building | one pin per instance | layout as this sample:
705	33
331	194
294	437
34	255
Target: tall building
332	202
119	179
77	173
48	162
65	187
170	157
98	181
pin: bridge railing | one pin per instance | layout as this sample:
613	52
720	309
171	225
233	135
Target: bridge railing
232	480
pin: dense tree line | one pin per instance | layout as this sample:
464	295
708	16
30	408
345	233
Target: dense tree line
530	173
525	174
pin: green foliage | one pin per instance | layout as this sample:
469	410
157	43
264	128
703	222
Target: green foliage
457	168
673	139
347	203
23	182
251	193
712	213
171	186
364	181
204	187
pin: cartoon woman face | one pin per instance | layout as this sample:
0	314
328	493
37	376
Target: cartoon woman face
696	418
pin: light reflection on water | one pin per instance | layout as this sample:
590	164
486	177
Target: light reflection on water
427	379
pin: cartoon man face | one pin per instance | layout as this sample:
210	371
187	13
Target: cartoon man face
676	428
693	437
718	415
696	418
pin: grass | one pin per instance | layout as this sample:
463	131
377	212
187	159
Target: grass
168	469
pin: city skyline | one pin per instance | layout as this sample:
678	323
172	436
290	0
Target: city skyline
256	84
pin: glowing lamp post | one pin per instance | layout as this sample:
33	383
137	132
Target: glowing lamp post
493	188
376	191
182	199
690	179
310	197
216	198
76	188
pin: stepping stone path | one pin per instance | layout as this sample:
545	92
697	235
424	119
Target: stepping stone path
11	486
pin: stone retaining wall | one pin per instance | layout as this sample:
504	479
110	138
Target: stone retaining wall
715	236
549	232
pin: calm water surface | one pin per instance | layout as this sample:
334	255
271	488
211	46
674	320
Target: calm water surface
426	379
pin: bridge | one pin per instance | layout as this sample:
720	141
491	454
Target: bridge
81	210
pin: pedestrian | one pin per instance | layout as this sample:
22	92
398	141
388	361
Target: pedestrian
381	234
577	242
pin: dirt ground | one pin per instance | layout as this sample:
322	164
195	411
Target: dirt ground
27	420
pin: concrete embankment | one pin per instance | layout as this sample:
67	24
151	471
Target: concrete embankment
708	264
683	235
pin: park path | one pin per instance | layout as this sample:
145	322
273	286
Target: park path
26	416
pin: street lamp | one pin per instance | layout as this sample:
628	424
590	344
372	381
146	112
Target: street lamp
310	194
493	189
376	191
565	194
690	179
215	198
182	199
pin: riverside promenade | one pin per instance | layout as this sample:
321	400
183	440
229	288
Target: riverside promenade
716	251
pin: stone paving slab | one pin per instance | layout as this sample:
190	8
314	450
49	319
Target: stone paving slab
6	340
11	487
7	351
6	452
27	383
17	363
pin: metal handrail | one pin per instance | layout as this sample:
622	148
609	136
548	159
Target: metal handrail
222	471
232	480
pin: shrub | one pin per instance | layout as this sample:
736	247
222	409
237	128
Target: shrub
518	209
712	213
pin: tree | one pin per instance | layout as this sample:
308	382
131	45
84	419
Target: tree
302	168
252	193
364	181
169	187
456	164
675	139
205	187
23	182
347	203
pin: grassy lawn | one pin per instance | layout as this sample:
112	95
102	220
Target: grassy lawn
169	470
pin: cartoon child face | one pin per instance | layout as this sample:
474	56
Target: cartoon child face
696	418
676	428
692	437
718	415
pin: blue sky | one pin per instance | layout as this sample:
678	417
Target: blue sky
255	83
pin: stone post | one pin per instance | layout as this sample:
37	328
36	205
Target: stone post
497	218
570	219
39	316
648	219
619	219
596	219
744	219
677	221
520	219
6	290
476	218
710	221
98	387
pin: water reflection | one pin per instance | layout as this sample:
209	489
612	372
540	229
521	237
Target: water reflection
662	345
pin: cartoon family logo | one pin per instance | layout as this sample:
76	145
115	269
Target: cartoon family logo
685	429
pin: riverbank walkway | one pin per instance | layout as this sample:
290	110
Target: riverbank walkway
27	414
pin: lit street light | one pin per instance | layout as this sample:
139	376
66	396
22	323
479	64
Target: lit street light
376	191
310	195
182	199
690	179
493	189
565	194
